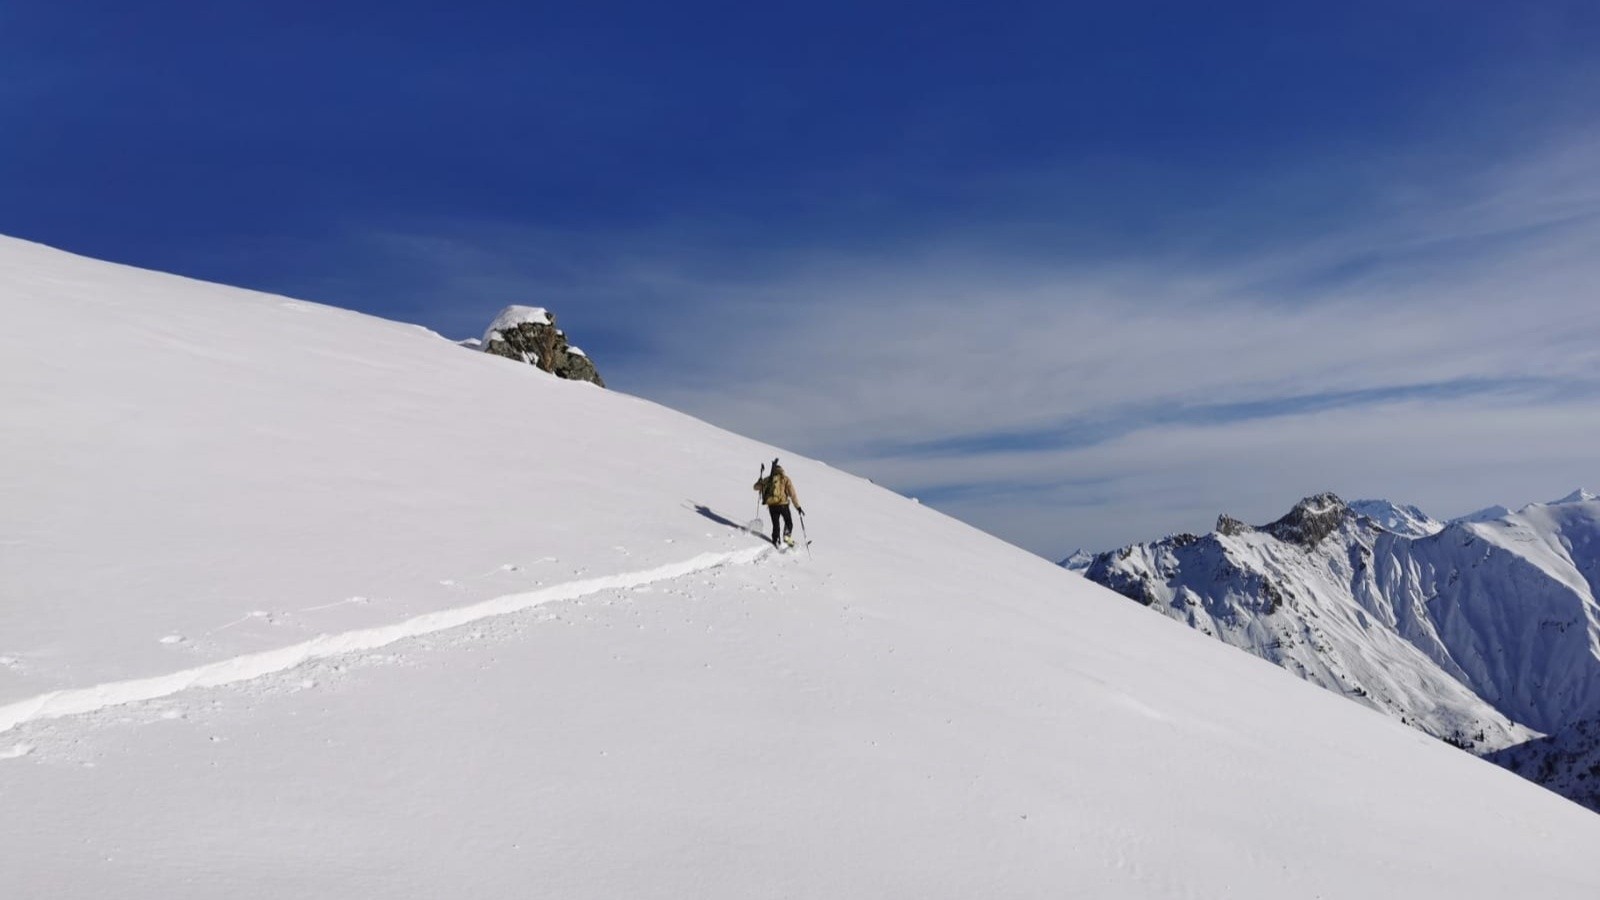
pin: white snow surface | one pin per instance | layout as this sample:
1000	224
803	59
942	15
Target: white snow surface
1487	514
424	651
512	316
1400	518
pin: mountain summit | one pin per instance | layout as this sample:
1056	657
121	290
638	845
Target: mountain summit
282	620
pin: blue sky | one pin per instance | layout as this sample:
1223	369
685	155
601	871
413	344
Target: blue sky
1077	273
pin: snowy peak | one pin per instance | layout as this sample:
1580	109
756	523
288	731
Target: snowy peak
1498	512
1402	519
1311	520
1077	560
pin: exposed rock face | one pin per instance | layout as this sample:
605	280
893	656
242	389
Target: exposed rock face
1311	520
529	334
1230	526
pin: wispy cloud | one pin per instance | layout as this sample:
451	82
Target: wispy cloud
1438	340
1448	456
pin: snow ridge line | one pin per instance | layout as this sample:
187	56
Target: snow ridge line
78	701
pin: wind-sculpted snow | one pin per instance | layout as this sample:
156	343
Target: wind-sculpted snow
544	669
1484	632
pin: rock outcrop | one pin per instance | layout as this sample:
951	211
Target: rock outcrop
529	334
1230	526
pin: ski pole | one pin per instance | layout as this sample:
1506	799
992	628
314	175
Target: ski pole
759	478
803	535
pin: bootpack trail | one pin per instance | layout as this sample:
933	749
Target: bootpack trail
78	701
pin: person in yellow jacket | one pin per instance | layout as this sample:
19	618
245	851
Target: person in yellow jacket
777	492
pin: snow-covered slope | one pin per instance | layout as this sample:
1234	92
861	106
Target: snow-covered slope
303	603
1484	632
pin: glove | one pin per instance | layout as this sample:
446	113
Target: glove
800	509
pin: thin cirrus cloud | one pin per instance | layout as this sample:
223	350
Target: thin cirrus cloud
1437	343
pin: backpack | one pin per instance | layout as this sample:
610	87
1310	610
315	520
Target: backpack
777	490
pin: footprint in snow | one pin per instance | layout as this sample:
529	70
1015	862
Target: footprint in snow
174	639
507	567
261	615
360	601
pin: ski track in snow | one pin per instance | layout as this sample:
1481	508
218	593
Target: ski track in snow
80	701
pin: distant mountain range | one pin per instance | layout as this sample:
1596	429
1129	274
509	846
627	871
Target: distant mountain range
1483	631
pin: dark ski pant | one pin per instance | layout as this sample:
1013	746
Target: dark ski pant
779	512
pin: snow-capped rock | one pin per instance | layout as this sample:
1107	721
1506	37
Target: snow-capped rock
514	316
1484	632
529	334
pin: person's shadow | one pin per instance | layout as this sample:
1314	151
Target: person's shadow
716	517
